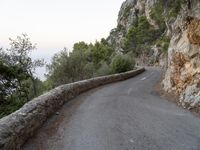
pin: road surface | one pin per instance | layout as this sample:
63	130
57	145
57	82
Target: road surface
128	115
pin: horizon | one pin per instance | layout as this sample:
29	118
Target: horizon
53	25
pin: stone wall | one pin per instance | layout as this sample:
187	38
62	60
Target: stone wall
17	127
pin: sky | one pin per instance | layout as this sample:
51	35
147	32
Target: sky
55	24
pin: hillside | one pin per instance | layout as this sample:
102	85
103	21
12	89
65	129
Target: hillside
164	33
98	95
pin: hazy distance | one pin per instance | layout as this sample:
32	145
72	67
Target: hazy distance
54	24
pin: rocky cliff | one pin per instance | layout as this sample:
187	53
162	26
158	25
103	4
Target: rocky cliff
176	46
183	73
129	16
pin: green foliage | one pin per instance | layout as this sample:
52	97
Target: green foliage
163	42
38	85
101	51
89	70
139	36
165	10
174	7
157	14
82	63
121	29
121	63
126	12
10	106
142	35
85	61
47	85
104	69
81	46
17	83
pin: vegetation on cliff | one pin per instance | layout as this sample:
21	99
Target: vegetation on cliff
139	37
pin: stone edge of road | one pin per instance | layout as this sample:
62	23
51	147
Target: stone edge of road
17	127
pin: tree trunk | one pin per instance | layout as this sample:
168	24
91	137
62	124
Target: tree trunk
34	86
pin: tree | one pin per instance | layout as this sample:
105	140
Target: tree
17	82
20	50
58	70
101	51
82	63
70	67
80	46
140	36
19	67
122	63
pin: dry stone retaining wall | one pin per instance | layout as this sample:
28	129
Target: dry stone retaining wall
17	127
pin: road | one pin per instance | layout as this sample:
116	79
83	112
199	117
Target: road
128	115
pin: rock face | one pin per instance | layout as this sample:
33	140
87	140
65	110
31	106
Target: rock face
183	73
183	62
129	14
148	10
127	17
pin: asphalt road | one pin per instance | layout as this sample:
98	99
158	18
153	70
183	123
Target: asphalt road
128	115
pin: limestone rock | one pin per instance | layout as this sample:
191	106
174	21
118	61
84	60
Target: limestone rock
127	17
183	72
191	96
148	9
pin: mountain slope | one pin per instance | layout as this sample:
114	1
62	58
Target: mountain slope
165	33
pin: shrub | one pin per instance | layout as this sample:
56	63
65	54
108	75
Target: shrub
175	7
104	69
163	42
126	11
171	8
121	63
89	70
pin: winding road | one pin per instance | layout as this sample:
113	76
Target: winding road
127	115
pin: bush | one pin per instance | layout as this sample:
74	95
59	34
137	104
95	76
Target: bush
121	63
104	69
126	12
10	106
167	8
163	42
175	7
89	70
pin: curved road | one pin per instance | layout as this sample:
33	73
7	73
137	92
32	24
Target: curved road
128	115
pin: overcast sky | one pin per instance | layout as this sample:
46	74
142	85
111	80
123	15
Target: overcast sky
54	24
